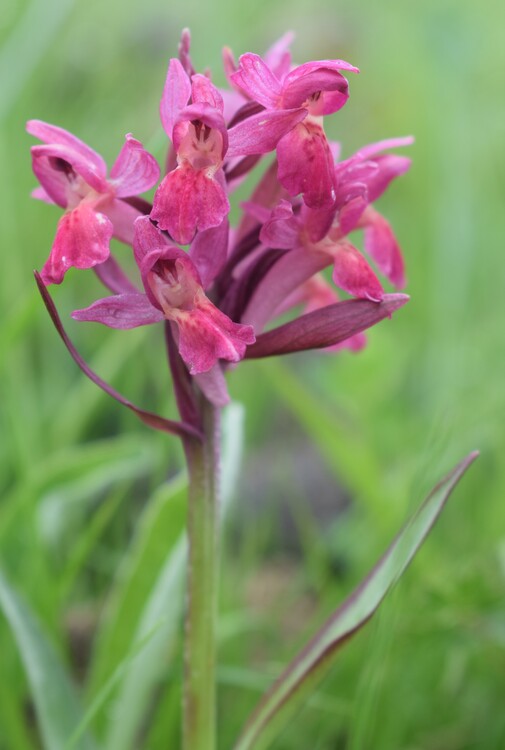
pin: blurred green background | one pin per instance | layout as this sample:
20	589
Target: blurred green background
338	448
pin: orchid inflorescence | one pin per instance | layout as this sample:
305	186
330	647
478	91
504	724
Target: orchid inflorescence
219	293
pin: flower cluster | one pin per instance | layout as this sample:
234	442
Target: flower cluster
217	294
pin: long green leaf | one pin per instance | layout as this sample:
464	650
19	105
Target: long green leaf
55	699
300	677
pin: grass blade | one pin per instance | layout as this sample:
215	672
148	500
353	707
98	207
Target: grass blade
55	699
300	677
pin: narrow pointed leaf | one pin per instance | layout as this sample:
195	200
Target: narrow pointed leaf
55	699
325	327
152	420
299	679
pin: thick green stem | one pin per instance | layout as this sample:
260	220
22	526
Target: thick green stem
199	709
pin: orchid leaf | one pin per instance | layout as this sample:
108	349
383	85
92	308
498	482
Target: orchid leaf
152	420
56	702
298	680
327	326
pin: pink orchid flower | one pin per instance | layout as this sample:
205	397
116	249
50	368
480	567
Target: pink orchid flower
193	196
305	160
74	177
173	292
318	237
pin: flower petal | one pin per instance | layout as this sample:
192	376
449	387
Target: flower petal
306	164
389	166
381	244
176	93
150	244
40	194
206	335
278	56
208	252
352	273
353	208
186	201
373	149
260	133
134	170
330	88
205	113
82	240
53	135
61	172
113	277
281	229
203	90
257	80
317	222
123	217
123	311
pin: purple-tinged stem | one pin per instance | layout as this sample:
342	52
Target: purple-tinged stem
199	696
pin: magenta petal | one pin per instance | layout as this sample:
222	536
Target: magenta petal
390	166
306	165
123	218
208	252
278	56
188	200
151	245
381	245
123	311
205	113
58	169
206	335
352	273
281	230
331	86
257	80
203	90
176	93
113	277
352	210
40	194
82	240
325	327
267	193
315	66
317	222
134	170
368	152
51	134
260	134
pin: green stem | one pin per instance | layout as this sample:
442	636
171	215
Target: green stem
199	708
